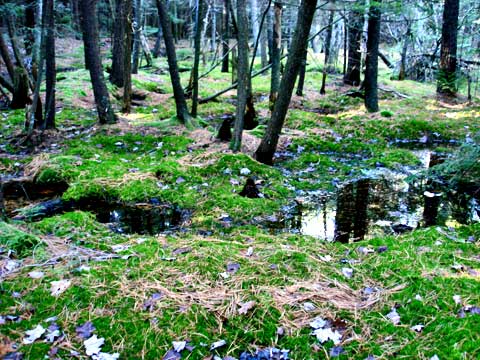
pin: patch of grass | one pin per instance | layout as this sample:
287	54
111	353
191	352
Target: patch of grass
17	240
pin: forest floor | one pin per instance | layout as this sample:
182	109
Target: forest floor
136	232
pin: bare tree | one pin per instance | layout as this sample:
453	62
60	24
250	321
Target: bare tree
371	62
448	52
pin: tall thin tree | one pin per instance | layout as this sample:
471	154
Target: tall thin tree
196	61
50	70
275	52
88	19
355	31
446	83
267	147
127	60
243	73
328	43
225	35
371	61
180	102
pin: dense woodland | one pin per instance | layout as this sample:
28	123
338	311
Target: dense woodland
233	179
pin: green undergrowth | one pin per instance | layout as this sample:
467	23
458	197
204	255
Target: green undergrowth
416	274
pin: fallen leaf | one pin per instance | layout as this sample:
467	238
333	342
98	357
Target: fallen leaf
218	344
457	299
394	317
36	274
34	334
85	331
93	345
308	306
318	323
246	307
336	351
106	356
172	355
347	272
178	346
324	335
417	328
58	287
233	267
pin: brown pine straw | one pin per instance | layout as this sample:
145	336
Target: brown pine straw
224	300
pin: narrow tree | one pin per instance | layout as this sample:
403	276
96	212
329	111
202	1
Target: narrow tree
328	42
127	60
50	71
355	30
243	74
196	60
180	102
267	147
118	47
88	19
225	35
371	62
275	53
448	52
136	25
301	76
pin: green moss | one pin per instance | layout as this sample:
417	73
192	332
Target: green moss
21	242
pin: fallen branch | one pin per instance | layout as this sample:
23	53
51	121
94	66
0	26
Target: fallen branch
396	93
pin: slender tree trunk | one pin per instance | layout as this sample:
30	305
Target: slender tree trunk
127	60
20	89
276	48
270	34
88	19
243	73
137	28
158	43
403	59
213	29
446	83
328	42
371	62
50	70
355	30
267	147
181	104
6	58
254	15
196	61
301	77
29	39
225	36
146	49
118	48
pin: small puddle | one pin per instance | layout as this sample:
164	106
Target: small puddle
380	202
142	219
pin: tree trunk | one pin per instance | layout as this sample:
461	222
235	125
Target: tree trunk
254	14
403	59
29	39
355	30
7	58
301	77
225	36
371	62
127	60
267	147
196	61
50	71
118	48
88	19
446	83
158	43
213	37
146	49
328	42
20	89
180	102
277	45
137	28
243	73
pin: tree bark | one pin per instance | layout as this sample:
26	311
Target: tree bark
50	70
88	19
20	89
267	147
29	39
243	73
446	83
158	43
118	48
328	42
355	27
371	62
275	57
225	36
403	60
196	60
180	102
127	60
7	58
137	28
301	77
